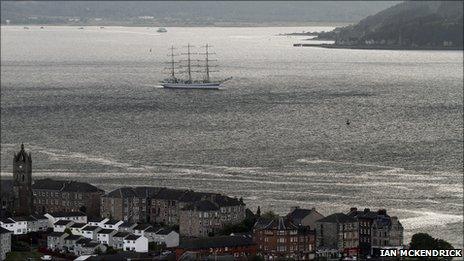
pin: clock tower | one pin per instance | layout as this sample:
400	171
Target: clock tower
22	183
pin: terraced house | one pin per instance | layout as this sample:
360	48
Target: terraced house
281	238
56	195
208	216
164	205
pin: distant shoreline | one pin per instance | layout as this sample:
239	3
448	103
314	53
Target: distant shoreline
309	24
380	47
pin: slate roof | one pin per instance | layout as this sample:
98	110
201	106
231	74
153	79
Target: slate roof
181	195
90	244
62	222
121	234
127	224
7	220
142	226
132	237
124	192
337	218
64	185
111	222
17	219
90	228
203	205
217	242
152	229
95	219
275	224
67	214
83	240
366	214
106	231
79	225
4	231
39	217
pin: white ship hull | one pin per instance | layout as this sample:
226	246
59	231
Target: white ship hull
209	86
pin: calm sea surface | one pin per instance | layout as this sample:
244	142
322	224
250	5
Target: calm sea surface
87	104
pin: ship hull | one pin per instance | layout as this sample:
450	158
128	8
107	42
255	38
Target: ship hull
204	86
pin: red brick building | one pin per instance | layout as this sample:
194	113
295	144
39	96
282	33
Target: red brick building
240	247
280	238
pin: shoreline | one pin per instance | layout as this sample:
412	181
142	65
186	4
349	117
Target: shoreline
381	47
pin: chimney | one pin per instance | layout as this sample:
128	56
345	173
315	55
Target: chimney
294	208
382	212
367	210
353	209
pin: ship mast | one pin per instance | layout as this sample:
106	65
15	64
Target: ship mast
188	64
172	63
207	64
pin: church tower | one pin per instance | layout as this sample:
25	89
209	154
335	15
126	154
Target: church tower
22	183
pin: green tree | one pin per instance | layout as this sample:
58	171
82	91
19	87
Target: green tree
270	215
425	241
67	231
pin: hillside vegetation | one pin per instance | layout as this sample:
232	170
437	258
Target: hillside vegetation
408	24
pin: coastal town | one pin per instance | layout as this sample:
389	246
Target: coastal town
70	220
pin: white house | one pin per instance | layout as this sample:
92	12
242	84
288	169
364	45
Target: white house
97	222
16	225
61	225
105	236
139	230
112	224
165	236
118	240
76	228
8	224
37	223
55	240
127	227
76	217
135	243
90	232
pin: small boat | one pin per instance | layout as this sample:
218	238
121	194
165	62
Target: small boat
162	30
25	27
206	83
41	27
81	27
101	27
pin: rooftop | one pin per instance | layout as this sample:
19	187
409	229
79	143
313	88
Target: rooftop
337	218
132	237
106	231
275	224
68	214
4	231
65	186
111	222
62	222
217	242
203	205
142	226
78	225
90	228
121	234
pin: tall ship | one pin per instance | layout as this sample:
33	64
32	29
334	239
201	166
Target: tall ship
188	67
